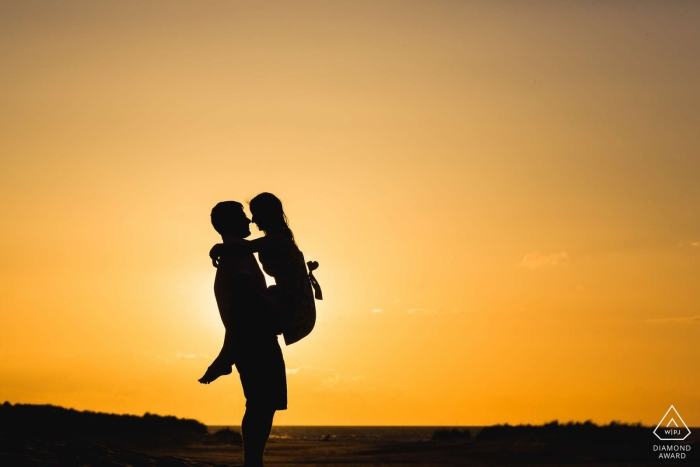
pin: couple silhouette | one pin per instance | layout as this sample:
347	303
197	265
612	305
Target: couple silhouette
254	314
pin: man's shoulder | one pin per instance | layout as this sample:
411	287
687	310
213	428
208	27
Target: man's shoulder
240	261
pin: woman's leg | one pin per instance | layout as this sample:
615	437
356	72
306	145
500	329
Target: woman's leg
274	310
223	364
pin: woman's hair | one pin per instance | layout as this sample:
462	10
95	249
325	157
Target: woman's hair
268	208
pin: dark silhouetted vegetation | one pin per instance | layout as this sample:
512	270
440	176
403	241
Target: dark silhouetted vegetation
552	443
572	432
50	435
49	420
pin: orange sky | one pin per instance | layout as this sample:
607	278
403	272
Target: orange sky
503	197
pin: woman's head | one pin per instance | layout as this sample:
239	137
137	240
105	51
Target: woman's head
268	214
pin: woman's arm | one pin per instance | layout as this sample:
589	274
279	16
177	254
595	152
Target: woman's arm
235	248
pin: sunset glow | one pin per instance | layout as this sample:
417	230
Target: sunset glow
503	202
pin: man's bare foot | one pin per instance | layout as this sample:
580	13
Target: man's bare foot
215	370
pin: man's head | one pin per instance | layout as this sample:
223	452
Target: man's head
229	219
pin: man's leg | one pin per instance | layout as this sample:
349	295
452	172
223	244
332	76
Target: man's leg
264	382
256	426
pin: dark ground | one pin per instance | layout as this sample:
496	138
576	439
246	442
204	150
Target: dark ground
46	435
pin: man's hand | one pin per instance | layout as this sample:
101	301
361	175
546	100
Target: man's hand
215	254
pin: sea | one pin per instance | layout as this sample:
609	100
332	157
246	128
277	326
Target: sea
354	433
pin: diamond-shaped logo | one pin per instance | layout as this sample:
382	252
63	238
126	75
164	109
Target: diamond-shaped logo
672	427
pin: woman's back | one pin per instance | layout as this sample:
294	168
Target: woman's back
281	258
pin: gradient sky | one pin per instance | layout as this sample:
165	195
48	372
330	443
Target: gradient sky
503	198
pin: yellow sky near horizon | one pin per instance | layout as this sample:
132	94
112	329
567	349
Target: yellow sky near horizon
502	197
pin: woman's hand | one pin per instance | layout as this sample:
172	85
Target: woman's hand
215	254
233	246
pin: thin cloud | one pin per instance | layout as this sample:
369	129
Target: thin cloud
695	244
331	381
334	379
421	311
150	355
537	260
327	377
294	371
377	310
185	355
682	319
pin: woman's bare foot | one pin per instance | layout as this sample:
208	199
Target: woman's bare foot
215	370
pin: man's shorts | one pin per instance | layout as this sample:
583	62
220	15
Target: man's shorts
260	365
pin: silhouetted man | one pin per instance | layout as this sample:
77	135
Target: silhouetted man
250	342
